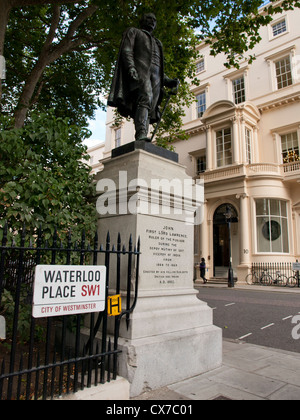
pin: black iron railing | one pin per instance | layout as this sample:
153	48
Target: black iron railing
43	358
273	269
273	274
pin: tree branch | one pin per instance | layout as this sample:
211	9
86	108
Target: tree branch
48	55
54	25
85	14
21	3
68	43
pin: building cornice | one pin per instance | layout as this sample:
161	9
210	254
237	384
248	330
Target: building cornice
278	103
200	128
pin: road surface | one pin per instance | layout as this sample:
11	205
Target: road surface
258	317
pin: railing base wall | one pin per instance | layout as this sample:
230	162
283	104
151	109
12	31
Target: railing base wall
118	389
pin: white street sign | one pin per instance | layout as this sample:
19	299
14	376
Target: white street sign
296	266
68	290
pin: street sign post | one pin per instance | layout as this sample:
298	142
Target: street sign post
2	328
68	290
2	68
296	266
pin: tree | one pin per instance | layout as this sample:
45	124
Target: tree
60	55
239	21
43	178
90	31
55	44
7	6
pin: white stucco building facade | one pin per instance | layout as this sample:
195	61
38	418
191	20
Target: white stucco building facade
96	156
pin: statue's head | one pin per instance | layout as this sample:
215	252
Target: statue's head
148	22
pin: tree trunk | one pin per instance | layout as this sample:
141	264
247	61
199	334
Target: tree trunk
48	55
27	93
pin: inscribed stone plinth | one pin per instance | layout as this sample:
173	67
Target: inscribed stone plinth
171	335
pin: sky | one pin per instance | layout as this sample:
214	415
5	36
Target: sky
97	127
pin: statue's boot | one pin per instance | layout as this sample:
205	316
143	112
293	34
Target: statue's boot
141	123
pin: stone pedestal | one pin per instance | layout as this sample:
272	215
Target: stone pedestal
171	335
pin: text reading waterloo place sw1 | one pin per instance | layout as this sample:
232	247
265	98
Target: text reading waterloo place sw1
60	290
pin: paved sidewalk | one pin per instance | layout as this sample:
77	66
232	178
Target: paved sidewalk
248	372
244	286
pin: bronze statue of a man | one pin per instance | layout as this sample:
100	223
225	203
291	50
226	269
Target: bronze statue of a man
137	87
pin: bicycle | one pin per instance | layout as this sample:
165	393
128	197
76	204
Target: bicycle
292	281
280	280
265	279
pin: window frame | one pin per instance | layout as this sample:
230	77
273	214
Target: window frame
118	138
280	75
270	219
282	18
249	145
223	151
236	75
199	106
239	95
293	149
203	162
279	56
203	68
279	31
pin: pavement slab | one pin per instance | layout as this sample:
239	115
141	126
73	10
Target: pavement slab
248	372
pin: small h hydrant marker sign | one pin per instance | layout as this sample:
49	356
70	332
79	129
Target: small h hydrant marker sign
68	290
114	305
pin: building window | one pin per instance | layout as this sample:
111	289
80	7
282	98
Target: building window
200	66
284	72
272	226
248	137
279	28
201	165
201	104
224	147
290	148
118	137
239	91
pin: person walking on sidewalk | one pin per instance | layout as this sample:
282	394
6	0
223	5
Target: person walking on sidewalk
203	270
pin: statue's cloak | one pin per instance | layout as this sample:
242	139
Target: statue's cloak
135	51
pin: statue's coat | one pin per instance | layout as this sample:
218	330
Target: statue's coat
135	51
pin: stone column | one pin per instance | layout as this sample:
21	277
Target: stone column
296	227
245	240
235	144
209	149
204	245
243	141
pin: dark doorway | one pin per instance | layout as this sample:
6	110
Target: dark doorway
221	245
221	239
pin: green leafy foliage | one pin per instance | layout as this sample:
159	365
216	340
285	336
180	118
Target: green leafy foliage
48	68
44	180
